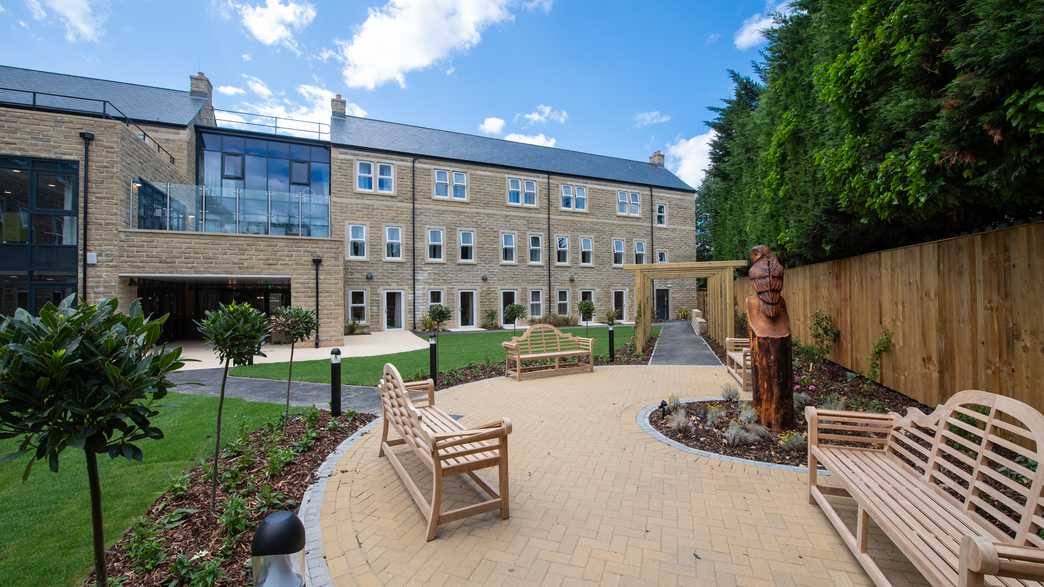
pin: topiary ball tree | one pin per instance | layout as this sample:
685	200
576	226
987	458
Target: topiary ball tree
439	314
84	377
587	309
514	312
236	332
295	324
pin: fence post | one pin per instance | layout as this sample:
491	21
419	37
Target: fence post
433	359
335	382
612	345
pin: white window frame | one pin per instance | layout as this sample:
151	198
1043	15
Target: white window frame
631	201
612	303
539	302
540	248
666	256
435	183
514	249
349	240
558	302
574	189
365	305
461	245
442	297
474	307
562	189
453	184
589	250
428	244
500	304
622	251
657	214
536	198
388	241
507	193
522	191
359	175
377	178
558	240
643	253
450	183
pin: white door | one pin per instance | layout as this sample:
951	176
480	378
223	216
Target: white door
507	298
466	308
394	310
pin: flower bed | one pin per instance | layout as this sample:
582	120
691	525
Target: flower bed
729	426
178	541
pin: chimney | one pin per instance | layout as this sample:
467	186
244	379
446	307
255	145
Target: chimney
200	86
338	105
656	158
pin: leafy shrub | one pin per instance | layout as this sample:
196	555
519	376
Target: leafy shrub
196	571
801	399
145	546
757	430
673	403
610	316
679	422
173	519
881	346
683	314
714	415
268	498
833	402
352	327
737	434
311	416
730	393
278	459
868	405
179	486
556	320
791	440
438	314
825	333
513	313
490	320
234	516
586	309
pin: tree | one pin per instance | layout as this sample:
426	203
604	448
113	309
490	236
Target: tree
439	314
513	313
236	332
587	309
85	377
295	324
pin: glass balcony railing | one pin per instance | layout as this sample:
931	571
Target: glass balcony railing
229	210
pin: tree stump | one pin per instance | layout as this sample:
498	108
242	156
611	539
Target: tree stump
772	375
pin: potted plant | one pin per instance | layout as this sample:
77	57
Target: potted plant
293	325
85	377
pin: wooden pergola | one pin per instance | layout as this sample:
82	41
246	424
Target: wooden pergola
719	311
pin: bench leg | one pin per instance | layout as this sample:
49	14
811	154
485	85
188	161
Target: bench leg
436	503
862	529
813	475
502	467
384	435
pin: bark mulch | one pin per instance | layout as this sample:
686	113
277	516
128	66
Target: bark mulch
825	385
179	542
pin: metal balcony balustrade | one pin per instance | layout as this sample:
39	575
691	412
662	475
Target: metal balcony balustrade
227	210
63	103
276	125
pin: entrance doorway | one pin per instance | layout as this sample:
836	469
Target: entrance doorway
663	304
466	308
394	310
507	298
620	303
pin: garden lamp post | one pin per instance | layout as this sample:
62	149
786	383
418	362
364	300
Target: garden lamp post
278	551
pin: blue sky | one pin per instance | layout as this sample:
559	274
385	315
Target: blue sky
619	78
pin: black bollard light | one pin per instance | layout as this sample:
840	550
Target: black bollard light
335	382
612	345
278	551
433	359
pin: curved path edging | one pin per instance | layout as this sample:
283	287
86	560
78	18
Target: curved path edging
317	573
644	424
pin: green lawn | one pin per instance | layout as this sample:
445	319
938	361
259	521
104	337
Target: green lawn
456	349
46	519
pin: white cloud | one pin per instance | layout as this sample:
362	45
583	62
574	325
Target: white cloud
83	19
538	139
689	158
312	105
258	87
543	5
231	90
492	125
646	118
412	35
545	113
247	57
275	21
326	54
2	9
752	32
712	38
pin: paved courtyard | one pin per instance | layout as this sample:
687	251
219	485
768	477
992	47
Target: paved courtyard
594	499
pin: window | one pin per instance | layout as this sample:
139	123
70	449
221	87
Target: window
233	168
299	172
507	247
639	252
460	185
536	248
392	243
357	241
562	306
628	204
620	303
536	303
441	184
661	214
364	176
434	297
385	178
574	197
357	307
586	250
661	256
618	251
435	245
561	250
521	192
466	240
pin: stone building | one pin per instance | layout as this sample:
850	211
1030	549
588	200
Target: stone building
117	189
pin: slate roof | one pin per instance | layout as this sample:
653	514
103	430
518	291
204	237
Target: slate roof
141	103
379	135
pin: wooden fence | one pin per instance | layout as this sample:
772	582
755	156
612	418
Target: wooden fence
965	313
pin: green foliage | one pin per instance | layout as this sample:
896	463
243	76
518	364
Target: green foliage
730	393
145	546
294	324
825	333
610	316
233	517
586	309
881	346
875	124
683	314
791	440
439	314
197	571
514	312
352	327
490	320
673	403
278	459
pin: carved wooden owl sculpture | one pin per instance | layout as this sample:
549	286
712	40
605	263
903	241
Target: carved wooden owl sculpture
766	275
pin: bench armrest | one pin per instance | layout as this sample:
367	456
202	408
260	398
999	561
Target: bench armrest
490	430
426	385
848	427
981	556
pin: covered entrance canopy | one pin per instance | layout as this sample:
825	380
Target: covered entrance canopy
719	310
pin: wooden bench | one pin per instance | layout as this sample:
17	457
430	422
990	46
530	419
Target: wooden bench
443	445
958	491
549	345
737	361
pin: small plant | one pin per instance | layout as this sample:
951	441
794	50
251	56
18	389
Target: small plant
833	402
714	415
278	459
311	416
513	313
758	430
737	434
176	518
145	546
673	403
427	324
679	422
295	325
881	346
683	314
197	571
179	486
352	327
269	499
490	320
439	314
791	440
825	334
234	517
868	405
748	415
611	316
801	399
730	393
